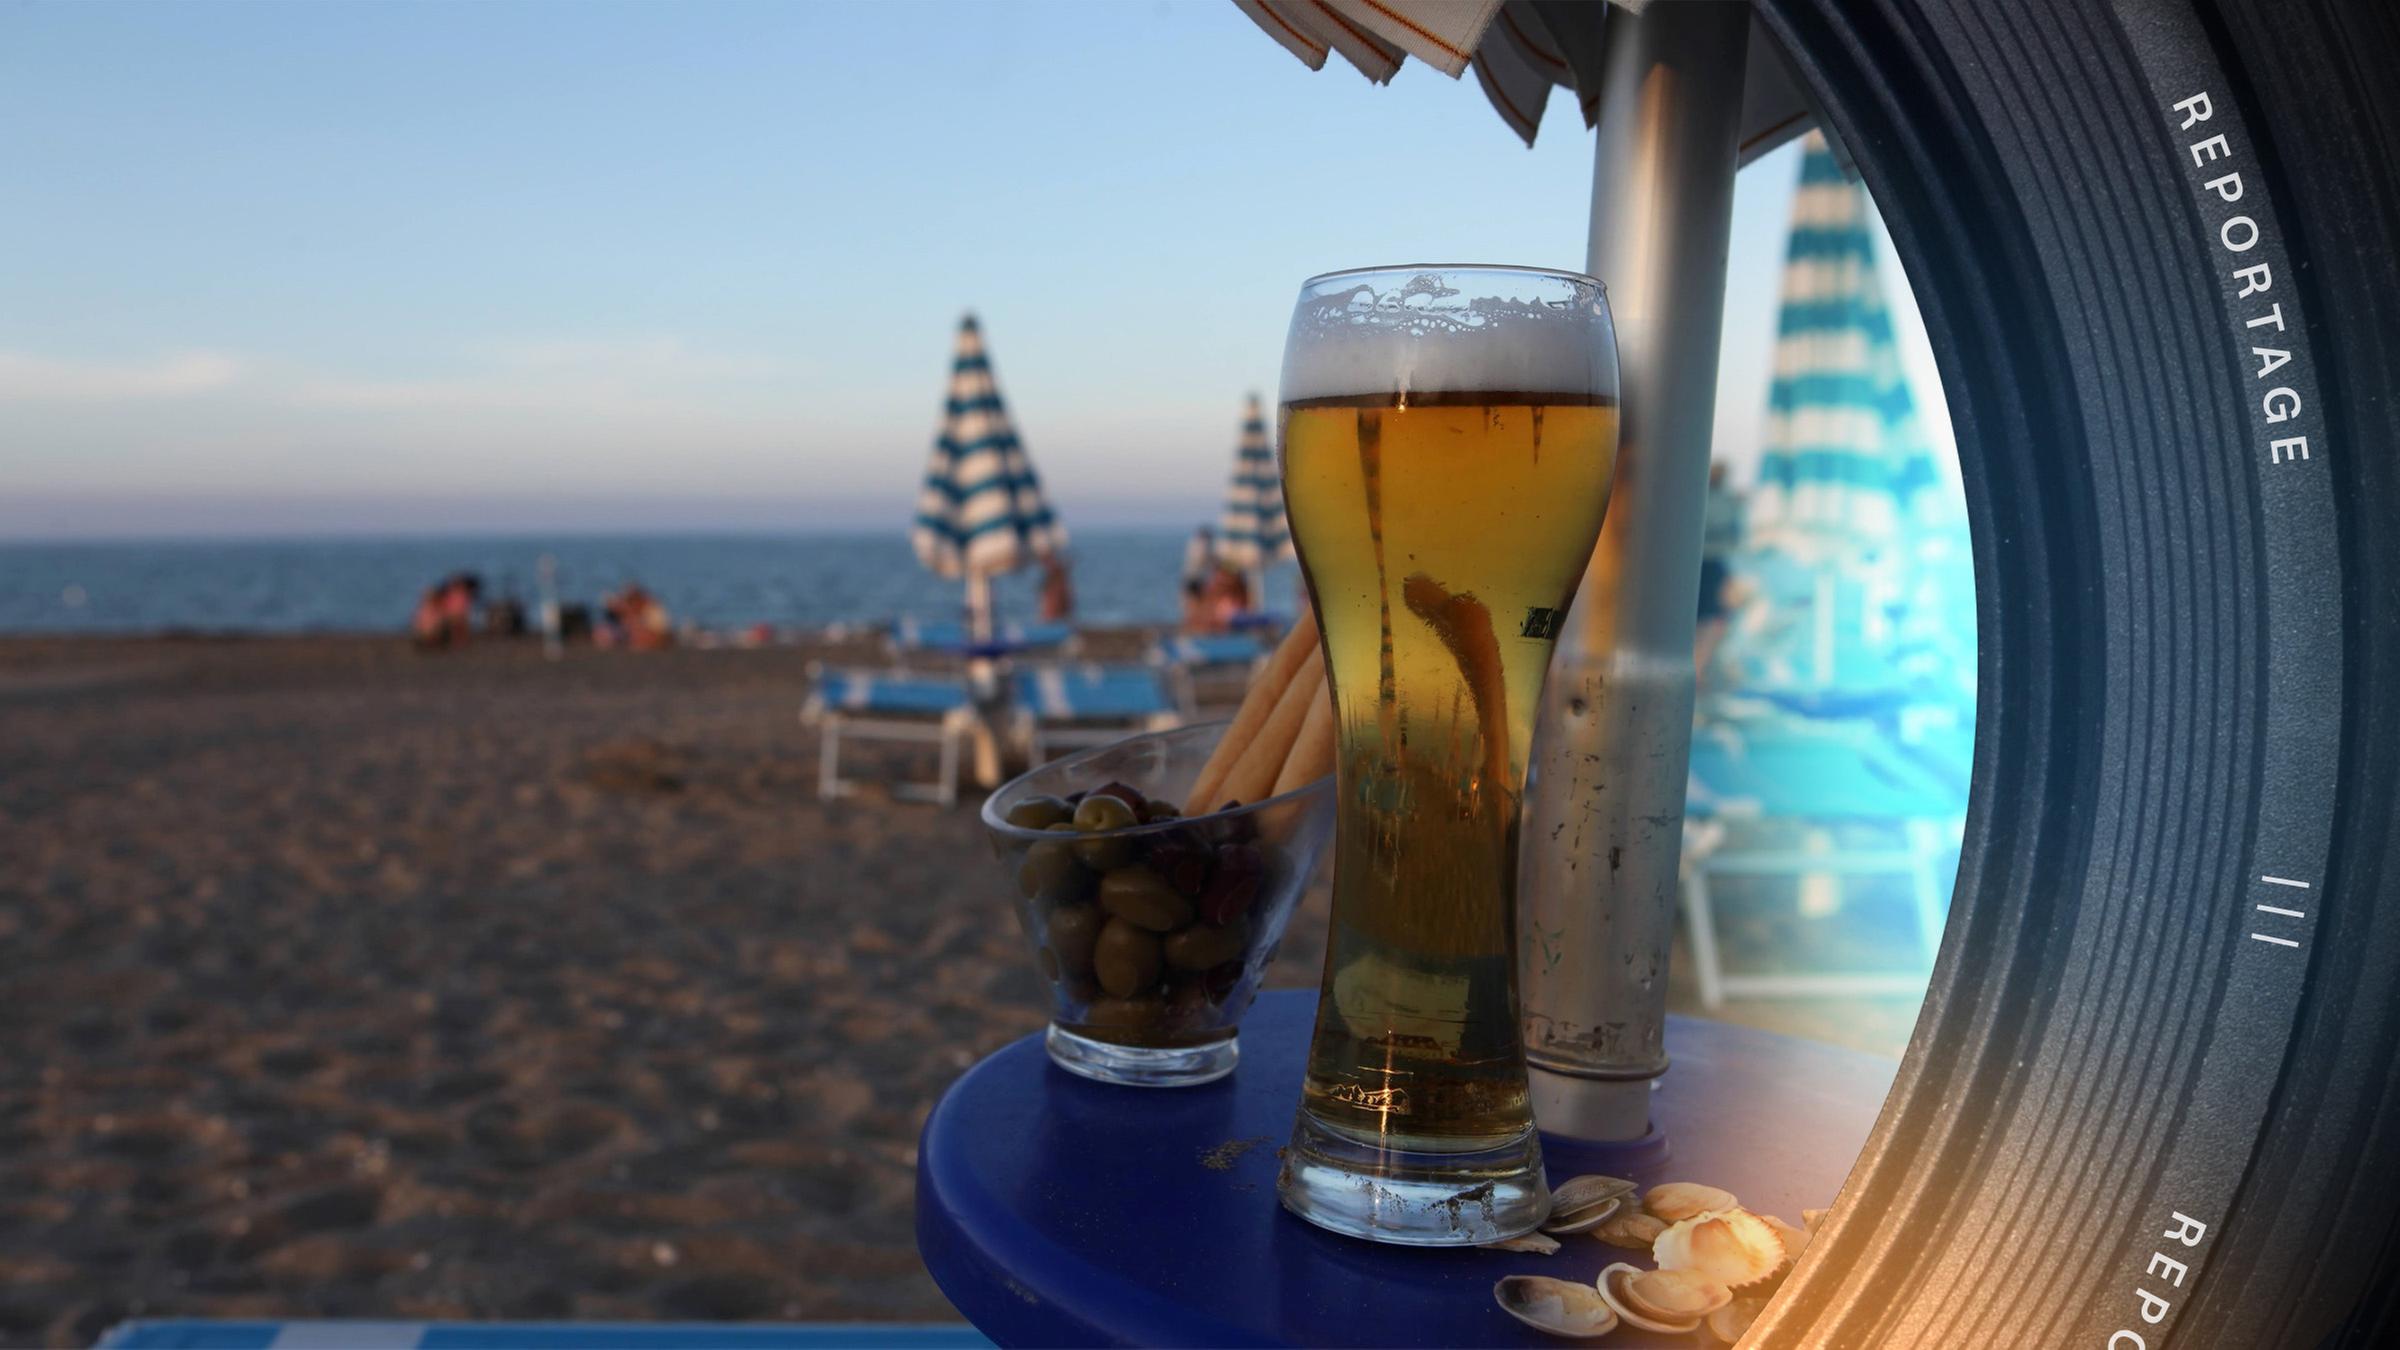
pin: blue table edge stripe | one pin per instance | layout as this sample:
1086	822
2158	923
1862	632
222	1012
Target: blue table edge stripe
362	1334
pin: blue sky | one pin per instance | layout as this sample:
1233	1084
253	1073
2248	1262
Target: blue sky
272	267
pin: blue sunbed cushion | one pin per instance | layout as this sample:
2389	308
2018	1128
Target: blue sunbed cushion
1211	649
1093	693
859	691
950	635
1798	774
194	1334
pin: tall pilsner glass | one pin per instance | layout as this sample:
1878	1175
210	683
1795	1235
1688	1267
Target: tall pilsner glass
1449	436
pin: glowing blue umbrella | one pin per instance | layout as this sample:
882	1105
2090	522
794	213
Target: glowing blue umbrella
981	511
1852	522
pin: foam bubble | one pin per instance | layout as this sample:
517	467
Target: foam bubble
1436	330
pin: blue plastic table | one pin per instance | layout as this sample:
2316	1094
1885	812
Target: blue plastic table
362	1335
1058	1211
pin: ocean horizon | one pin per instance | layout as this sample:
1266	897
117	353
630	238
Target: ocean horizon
718	579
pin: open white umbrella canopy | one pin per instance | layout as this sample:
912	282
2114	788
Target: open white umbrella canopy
1253	534
980	512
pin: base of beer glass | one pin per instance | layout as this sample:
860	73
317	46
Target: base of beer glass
1142	1065
1409	1197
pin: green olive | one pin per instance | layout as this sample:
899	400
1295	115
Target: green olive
1097	816
1138	896
1126	959
1039	813
1127	1014
1051	874
1201	946
1072	933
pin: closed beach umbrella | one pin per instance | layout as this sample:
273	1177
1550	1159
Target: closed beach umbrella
1851	513
981	511
1253	534
1845	462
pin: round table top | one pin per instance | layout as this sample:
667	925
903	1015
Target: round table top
1053	1210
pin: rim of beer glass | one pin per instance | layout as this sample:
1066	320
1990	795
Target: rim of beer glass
1321	785
1487	269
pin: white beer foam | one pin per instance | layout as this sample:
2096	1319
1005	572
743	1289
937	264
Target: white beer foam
1406	332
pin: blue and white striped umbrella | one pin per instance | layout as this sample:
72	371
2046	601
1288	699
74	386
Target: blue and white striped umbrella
981	511
1855	540
1846	468
1253	534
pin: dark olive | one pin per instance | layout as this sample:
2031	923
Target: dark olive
1138	896
1051	875
1124	792
1188	1003
1203	947
1240	873
1072	932
1126	958
1039	813
1154	811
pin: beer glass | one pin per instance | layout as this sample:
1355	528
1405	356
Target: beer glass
1448	439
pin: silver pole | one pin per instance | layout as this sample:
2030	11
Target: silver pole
1604	815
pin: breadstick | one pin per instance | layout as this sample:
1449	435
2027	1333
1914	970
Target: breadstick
1312	754
1253	775
1265	689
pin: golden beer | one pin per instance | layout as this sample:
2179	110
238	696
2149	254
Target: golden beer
1442	537
1449	437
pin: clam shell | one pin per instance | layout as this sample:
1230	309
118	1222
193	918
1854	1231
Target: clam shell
1633	1230
1559	1307
1540	1244
1642	1296
1731	1322
1733	1247
1679	1200
1580	1204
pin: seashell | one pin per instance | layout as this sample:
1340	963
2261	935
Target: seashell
1633	1230
1733	1247
1559	1307
1731	1322
1661	1300
1795	1240
1580	1204
1540	1244
1679	1200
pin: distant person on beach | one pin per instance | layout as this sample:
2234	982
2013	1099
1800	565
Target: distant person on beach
425	625
1720	536
1200	558
1226	598
638	620
1195	606
1058	591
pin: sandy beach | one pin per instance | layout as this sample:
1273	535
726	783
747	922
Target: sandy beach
347	981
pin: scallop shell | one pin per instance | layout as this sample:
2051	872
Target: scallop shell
1633	1230
1539	1244
1559	1307
1661	1300
1734	1247
1731	1322
1794	1240
1679	1200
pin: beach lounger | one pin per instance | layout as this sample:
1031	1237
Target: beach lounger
948	637
1818	777
1223	661
889	706
1064	707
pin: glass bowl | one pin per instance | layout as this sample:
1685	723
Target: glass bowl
1151	930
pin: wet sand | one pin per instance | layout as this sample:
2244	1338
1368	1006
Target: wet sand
345	981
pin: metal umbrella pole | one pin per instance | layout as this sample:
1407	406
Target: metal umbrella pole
1604	811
